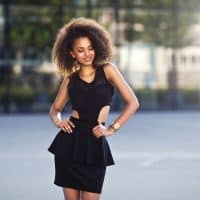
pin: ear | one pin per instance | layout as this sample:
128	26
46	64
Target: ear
72	54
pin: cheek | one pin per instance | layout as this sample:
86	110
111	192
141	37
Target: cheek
79	55
93	53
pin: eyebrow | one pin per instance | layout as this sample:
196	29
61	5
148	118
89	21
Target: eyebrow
84	47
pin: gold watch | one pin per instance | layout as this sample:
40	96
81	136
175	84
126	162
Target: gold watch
115	126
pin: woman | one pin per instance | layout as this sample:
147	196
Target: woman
82	51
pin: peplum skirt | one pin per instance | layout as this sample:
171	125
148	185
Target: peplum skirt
81	158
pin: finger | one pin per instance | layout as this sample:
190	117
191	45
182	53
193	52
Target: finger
64	129
67	125
98	133
71	123
96	127
68	128
66	121
95	132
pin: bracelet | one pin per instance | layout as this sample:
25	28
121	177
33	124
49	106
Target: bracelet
115	126
112	128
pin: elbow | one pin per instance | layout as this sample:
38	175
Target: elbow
54	110
50	111
137	104
134	104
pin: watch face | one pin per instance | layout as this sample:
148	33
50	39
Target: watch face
116	125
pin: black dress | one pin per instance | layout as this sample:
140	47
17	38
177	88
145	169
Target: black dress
81	158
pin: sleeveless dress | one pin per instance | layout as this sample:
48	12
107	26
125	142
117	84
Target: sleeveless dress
80	157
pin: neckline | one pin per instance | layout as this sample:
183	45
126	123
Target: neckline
86	81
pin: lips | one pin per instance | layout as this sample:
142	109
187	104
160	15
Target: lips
88	59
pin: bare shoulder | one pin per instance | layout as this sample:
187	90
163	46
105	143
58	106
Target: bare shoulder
64	83
110	68
112	73
62	96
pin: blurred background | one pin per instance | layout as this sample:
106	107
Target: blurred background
157	44
157	50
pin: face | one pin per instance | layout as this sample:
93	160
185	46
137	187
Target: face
83	51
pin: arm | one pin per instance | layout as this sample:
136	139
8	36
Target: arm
115	77
55	110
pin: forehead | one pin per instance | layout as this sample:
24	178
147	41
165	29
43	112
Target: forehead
82	42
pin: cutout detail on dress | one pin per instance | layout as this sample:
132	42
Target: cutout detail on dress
75	114
103	113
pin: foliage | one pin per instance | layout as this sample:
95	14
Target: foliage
35	23
163	22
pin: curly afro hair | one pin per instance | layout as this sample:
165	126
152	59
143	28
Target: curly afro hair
81	27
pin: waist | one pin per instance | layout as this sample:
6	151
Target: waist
85	121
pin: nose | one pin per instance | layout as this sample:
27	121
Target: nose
87	53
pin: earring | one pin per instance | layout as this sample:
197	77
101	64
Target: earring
76	64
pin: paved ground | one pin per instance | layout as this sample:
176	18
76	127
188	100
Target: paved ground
157	158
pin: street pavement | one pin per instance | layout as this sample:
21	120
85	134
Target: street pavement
157	157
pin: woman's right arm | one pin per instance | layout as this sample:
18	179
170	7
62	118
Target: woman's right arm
61	99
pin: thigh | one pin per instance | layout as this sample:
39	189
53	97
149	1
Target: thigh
71	194
89	195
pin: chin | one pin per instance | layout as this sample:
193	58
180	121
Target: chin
87	63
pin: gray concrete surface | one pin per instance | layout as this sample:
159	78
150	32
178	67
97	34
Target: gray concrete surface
157	158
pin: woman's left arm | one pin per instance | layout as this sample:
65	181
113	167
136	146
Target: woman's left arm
117	80
115	77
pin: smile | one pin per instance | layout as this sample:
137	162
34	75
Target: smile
88	59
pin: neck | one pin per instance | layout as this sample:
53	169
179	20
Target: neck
87	68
